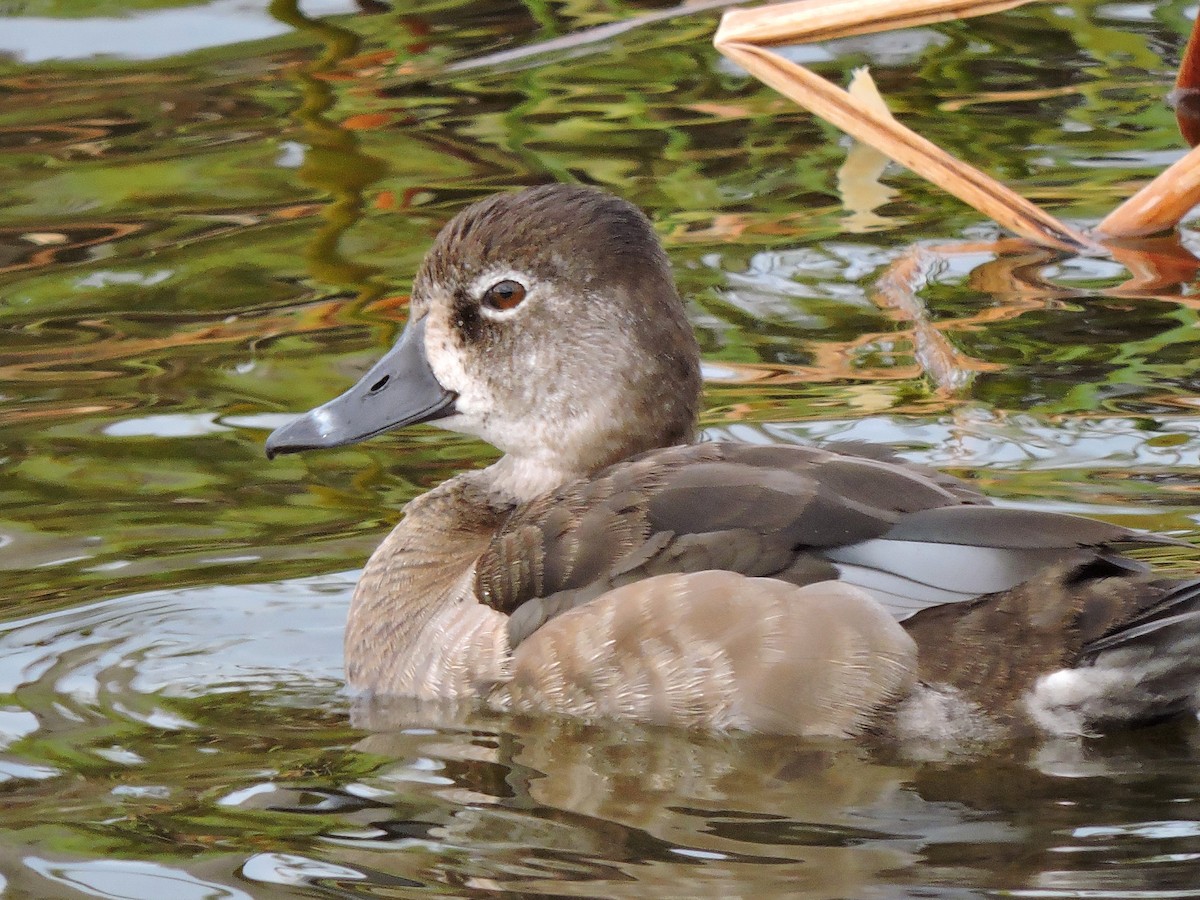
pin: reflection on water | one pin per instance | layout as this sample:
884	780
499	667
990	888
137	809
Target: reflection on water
195	244
147	34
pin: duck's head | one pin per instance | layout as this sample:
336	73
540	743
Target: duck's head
545	322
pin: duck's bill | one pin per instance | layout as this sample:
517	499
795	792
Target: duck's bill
399	390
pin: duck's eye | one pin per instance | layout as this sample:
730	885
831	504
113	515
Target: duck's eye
506	294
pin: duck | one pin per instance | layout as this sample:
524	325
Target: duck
610	565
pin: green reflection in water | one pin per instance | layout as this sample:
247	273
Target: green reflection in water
164	283
334	161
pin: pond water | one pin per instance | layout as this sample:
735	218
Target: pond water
211	215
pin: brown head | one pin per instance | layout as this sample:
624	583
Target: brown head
545	322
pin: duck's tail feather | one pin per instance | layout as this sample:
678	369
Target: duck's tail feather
1144	670
1175	615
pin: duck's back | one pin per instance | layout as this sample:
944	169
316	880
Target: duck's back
910	537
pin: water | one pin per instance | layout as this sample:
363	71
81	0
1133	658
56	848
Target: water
212	213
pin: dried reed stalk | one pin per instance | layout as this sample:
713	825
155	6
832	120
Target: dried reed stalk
744	35
808	21
1160	205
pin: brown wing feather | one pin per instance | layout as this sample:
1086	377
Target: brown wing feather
781	511
733	507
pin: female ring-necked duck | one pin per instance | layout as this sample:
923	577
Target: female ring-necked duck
606	566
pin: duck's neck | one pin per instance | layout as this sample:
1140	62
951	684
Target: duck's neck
515	479
519	479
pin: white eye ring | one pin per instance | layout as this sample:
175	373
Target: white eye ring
518	283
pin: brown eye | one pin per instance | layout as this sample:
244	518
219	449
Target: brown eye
506	294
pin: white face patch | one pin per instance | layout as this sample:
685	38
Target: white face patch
443	352
502	395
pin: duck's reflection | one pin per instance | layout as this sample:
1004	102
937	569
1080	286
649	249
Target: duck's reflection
629	808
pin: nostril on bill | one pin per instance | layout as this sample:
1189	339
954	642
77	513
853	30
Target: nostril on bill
380	384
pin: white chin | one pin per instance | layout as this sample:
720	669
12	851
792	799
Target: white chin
461	424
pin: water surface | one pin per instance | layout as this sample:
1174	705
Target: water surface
212	213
